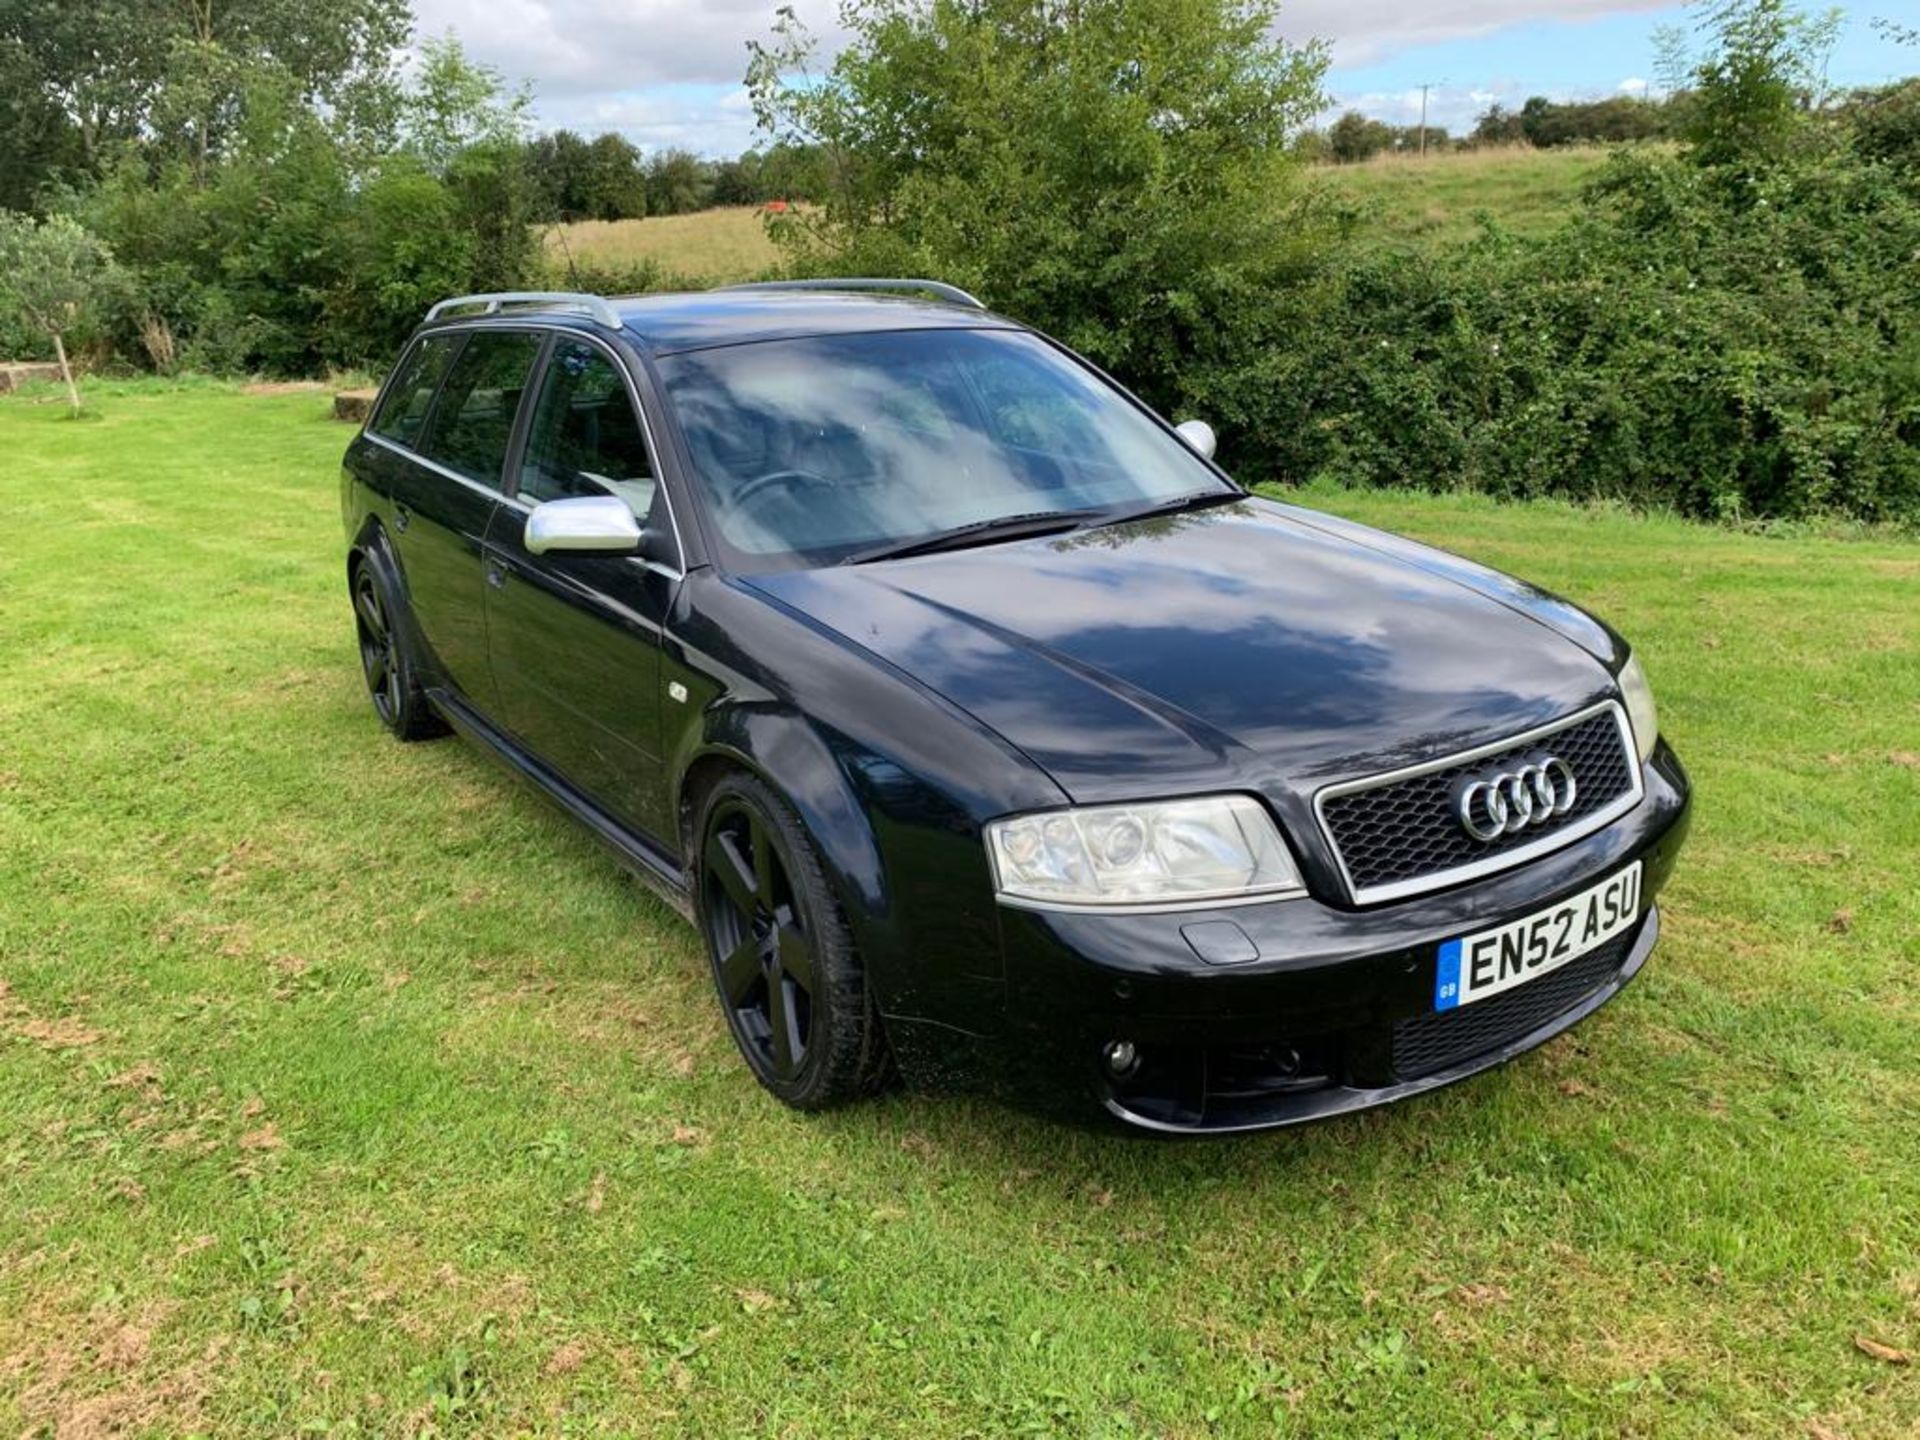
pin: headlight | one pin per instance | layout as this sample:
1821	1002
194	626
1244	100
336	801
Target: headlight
1171	852
1640	712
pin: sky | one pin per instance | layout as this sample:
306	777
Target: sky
667	72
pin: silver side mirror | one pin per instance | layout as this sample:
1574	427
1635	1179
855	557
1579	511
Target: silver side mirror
594	524
1199	435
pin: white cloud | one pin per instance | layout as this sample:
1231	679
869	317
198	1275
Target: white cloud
1632	85
1366	31
570	46
666	72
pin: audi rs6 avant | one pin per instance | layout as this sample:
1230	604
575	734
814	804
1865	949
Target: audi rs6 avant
988	732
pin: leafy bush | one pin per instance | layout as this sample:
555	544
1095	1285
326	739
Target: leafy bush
1886	123
1728	350
1732	330
296	252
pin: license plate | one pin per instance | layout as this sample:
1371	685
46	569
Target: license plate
1490	961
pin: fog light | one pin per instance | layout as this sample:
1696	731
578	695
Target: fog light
1122	1058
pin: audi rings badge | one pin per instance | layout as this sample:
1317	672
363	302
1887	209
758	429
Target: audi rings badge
1506	802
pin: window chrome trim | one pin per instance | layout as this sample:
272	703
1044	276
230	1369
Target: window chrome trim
653	452
1505	859
562	333
447	471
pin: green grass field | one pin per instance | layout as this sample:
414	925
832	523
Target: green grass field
345	1089
1422	200
1436	199
729	243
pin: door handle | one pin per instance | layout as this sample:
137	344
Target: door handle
402	517
496	574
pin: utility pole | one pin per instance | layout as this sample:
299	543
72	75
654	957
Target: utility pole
1423	118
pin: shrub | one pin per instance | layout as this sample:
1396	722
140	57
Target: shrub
1727	351
1886	124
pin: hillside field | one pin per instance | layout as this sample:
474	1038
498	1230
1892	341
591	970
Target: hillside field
1424	200
1434	199
707	247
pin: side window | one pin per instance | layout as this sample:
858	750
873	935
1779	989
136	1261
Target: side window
405	409
585	438
474	419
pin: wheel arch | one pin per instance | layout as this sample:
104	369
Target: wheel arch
784	751
372	544
370	538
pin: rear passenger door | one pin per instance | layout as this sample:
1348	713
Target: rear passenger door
576	638
446	499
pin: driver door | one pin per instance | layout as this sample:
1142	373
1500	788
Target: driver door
575	639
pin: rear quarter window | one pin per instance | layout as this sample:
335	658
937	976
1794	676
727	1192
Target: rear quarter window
404	410
473	420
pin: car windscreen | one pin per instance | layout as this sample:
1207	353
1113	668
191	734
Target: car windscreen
812	451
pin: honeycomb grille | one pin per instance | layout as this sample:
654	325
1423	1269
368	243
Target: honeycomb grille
1406	829
1428	1043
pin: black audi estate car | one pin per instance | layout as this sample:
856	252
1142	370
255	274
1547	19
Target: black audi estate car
989	733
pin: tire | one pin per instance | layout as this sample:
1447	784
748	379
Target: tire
784	966
386	663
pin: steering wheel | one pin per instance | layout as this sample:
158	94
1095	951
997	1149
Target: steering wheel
782	479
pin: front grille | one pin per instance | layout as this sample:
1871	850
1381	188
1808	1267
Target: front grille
1405	830
1432	1042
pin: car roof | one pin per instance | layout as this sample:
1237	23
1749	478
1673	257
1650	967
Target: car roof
667	324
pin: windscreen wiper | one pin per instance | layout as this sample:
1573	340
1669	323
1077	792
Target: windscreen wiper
1194	500
979	532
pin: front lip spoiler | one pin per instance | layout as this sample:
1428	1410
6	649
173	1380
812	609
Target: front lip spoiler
1347	1099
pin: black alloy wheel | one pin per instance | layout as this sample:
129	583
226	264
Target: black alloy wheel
392	682
378	656
783	961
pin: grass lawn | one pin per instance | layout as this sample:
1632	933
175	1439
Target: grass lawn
1435	199
346	1089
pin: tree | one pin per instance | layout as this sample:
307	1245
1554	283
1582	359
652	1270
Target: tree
37	140
1354	137
1767	65
559	165
1549	123
1115	171
737	181
616	183
174	72
458	104
51	271
677	183
1498	126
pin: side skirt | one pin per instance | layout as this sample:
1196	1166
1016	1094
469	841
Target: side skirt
659	871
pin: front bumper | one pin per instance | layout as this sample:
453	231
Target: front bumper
1332	1013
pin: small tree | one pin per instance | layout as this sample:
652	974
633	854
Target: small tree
1117	172
1354	137
1766	66
51	272
456	103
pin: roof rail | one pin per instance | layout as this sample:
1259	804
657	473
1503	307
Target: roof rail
492	304
939	289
